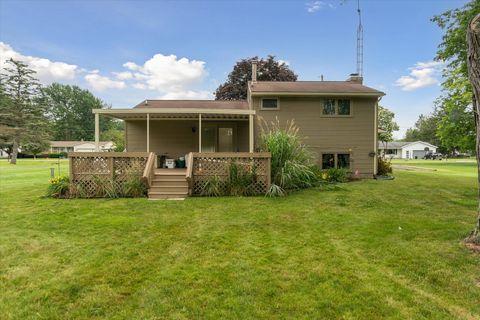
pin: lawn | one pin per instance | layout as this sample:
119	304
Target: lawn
362	250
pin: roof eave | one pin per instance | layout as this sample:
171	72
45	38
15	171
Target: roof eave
315	94
173	111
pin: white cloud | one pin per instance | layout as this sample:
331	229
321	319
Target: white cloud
187	95
422	75
101	83
167	73
125	75
47	71
315	6
164	75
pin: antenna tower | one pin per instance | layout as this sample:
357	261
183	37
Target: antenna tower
359	42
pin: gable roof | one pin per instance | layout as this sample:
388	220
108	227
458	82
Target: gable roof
401	144
193	104
314	87
63	144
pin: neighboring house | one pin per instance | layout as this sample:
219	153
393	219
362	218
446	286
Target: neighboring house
3	153
79	146
338	120
406	150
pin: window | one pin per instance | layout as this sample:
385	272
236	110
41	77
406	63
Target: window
336	107
344	107
329	107
343	160
328	160
270	104
335	160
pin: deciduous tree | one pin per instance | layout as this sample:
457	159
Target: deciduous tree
71	112
235	88
386	125
456	127
473	39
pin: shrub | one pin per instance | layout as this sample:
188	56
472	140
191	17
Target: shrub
134	186
212	187
292	163
59	187
241	179
384	167
335	175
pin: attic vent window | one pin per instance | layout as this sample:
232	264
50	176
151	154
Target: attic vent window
270	104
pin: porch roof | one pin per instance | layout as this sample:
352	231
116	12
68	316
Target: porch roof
175	113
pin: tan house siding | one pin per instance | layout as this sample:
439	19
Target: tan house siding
348	134
175	137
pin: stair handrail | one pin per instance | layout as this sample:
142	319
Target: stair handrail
149	171
189	172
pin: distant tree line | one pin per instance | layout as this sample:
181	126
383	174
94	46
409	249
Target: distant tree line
31	115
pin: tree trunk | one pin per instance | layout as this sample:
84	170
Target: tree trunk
473	62
13	159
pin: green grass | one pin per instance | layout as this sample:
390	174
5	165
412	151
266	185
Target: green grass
363	250
457	167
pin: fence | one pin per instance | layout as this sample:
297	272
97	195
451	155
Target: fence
92	172
206	165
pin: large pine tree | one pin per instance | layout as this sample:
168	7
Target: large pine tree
23	111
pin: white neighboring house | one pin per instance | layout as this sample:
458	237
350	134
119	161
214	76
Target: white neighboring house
406	150
3	154
79	146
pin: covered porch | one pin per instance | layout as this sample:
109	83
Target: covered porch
174	132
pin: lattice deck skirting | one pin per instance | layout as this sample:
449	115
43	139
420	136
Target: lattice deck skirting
93	173
207	165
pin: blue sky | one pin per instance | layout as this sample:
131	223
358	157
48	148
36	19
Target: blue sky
127	51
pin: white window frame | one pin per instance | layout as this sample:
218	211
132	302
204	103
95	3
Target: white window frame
270	98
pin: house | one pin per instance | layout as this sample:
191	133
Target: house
405	149
80	146
3	153
338	120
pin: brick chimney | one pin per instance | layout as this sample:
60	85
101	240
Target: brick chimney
356	78
254	71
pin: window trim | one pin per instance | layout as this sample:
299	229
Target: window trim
336	115
270	98
335	156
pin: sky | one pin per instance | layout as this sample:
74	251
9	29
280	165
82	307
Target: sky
128	51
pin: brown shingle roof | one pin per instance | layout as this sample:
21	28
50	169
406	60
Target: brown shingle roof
313	87
196	104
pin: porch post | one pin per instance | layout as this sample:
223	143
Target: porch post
250	135
97	132
148	132
199	132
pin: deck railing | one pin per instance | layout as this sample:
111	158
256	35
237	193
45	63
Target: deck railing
149	171
189	172
91	172
205	165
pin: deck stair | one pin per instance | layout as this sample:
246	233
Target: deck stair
168	184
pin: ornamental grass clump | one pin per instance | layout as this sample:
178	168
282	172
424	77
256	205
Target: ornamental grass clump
292	164
241	179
